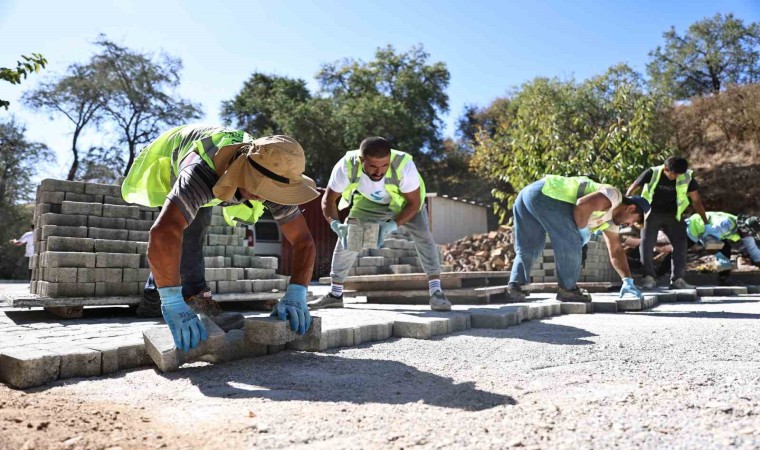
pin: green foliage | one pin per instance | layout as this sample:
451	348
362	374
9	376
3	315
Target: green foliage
23	68
714	52
605	127
102	165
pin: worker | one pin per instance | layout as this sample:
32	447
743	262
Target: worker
28	240
569	209
386	188
725	227
187	170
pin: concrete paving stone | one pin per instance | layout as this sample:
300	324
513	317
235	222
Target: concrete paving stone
113	246
69	244
133	354
106	222
231	250
48	289
217	239
268	330
81	208
685	295
24	367
140	236
216	274
47	231
109	356
629	304
213	262
604	305
226	286
108	233
400	268
112	190
76	361
372	332
132	275
419	327
40	246
259	274
455	320
44	208
82	198
576	308
649	301
53	185
159	344
274	349
269	285
665	296
62	220
85	275
753	289
264	262
141	248
114	200
728	291
535	312
705	291
138	224
243	261
59	275
213	251
370	270
333	337
103	289
120	260
493	318
235	347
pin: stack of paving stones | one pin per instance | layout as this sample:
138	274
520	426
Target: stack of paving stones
398	255
90	243
597	267
27	361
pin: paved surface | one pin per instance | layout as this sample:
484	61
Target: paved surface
681	375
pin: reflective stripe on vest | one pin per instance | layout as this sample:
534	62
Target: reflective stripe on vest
716	217
392	180
682	189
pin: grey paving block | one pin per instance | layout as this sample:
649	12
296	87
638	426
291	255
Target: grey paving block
419	327
330	338
114	200
47	231
685	295
139	224
141	236
62	220
111	246
272	331
107	222
141	248
400	268
135	275
69	244
59	275
50	184
82	209
82	198
213	251
76	361
493	318
226	286
159	344
116	289
85	275
44	208
108	233
367	270
133	355
727	291
231	250
235	347
48	289
274	349
753	289
213	262
109	356
120	260
604	306
24	368
127	212
112	190
373	332
370	261
629	304
241	261
264	262
576	308
268	285
649	301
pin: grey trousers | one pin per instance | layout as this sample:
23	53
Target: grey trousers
676	232
369	211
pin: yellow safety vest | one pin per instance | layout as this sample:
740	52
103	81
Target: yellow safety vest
696	226
570	189
682	189
392	179
155	169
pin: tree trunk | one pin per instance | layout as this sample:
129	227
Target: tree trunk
131	157
75	164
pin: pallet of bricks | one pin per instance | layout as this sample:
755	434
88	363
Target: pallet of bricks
398	255
596	267
90	243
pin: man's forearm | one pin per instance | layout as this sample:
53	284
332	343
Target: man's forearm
620	262
164	256
304	255
406	214
632	189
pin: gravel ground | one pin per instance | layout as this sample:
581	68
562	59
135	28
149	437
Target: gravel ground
678	376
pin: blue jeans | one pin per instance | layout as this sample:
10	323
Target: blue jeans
192	268
534	216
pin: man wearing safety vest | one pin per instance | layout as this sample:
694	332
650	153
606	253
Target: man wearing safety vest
669	189
569	209
386	188
187	170
725	227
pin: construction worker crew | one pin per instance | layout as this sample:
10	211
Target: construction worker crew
217	166
570	209
725	227
385	187
669	188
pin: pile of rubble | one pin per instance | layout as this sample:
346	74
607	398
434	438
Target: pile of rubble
486	251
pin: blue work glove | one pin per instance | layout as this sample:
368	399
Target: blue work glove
187	329
293	306
386	228
585	235
630	288
341	229
711	231
722	263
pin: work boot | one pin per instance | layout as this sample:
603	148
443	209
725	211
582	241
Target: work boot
150	306
679	283
515	292
648	282
439	302
203	303
326	301
573	295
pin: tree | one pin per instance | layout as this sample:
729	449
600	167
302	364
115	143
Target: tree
138	94
714	52
102	165
75	95
23	68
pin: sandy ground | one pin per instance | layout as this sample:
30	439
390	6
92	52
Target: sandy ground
678	376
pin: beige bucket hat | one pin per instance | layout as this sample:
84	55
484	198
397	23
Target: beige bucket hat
270	167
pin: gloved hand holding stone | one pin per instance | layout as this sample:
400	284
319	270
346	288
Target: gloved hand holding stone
630	288
711	231
341	229
292	306
187	329
585	235
386	228
722	263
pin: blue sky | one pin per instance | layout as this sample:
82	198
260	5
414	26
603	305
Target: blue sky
488	46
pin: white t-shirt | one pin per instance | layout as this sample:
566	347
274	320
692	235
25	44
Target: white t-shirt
28	238
616	198
374	190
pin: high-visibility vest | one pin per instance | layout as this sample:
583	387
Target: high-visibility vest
682	189
570	189
696	226
392	179
156	168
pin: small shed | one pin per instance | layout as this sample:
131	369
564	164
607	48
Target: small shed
453	218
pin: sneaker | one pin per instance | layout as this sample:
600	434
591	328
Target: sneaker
203	303
648	282
326	301
679	283
573	295
439	302
150	306
515	293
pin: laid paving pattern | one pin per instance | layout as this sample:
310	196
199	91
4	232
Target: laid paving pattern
36	349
